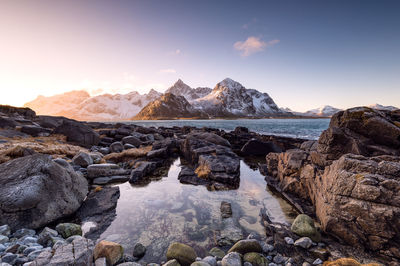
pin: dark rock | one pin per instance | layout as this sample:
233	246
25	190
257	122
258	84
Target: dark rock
139	250
105	170
22	111
35	130
132	140
116	147
160	153
141	170
226	209
35	191
187	176
256	147
82	159
78	133
99	207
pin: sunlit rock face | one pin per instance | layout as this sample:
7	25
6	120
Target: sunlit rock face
351	176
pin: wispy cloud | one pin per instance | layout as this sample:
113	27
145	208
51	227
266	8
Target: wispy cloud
253	45
247	25
175	52
168	71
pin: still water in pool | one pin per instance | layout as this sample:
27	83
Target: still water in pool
166	211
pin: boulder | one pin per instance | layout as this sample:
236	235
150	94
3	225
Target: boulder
78	253
359	131
116	147
82	159
255	147
35	131
34	191
132	140
105	170
184	254
99	209
113	252
246	246
141	170
303	225
78	133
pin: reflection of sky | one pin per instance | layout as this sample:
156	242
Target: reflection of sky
143	211
305	54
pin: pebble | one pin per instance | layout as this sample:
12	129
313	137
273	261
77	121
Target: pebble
3	239
9	258
304	242
279	259
317	262
266	247
5	230
2	248
289	240
24	232
210	260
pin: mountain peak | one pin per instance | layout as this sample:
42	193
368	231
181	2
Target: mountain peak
230	84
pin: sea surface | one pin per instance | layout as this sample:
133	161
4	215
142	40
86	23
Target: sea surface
296	128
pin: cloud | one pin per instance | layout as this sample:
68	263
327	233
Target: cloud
168	71
175	52
247	25
253	45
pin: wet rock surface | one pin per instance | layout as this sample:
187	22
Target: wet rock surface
35	191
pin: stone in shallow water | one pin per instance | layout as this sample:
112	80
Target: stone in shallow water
226	209
139	250
230	234
184	254
256	259
232	259
217	252
246	246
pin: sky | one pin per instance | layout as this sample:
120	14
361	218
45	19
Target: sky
304	54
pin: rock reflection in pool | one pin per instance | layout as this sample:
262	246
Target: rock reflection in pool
166	211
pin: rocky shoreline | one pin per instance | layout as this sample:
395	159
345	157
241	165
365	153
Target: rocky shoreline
56	177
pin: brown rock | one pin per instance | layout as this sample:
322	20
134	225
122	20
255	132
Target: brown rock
113	252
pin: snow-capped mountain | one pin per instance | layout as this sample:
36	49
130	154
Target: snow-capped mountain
169	106
190	94
378	106
230	98
101	108
56	104
324	111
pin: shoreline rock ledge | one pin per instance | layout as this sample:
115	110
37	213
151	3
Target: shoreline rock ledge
35	191
351	175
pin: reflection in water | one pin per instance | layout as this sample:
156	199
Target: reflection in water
166	211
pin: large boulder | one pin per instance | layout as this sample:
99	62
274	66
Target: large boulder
78	133
351	177
212	158
34	191
361	130
359	200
